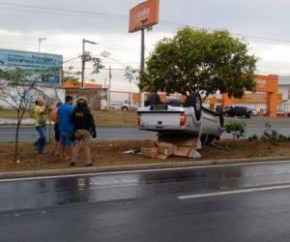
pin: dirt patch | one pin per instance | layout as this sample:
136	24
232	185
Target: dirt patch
111	154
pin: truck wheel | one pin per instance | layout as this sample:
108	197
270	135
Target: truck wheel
194	100
125	109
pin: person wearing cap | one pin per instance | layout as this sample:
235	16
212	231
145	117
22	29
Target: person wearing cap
84	124
39	116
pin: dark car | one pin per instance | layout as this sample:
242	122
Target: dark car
238	111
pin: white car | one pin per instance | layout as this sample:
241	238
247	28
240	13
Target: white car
129	106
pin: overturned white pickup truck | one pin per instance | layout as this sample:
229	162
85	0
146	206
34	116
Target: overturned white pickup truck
178	119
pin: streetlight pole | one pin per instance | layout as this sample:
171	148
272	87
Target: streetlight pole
39	42
84	59
142	62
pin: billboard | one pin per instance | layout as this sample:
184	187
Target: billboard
41	68
144	15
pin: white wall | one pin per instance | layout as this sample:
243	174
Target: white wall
13	95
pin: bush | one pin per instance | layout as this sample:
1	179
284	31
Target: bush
271	136
237	128
253	138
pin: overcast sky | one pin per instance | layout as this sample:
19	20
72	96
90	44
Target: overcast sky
263	24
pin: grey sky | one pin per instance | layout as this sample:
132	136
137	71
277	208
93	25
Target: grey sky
265	18
262	23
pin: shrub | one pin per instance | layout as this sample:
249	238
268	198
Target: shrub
237	128
253	138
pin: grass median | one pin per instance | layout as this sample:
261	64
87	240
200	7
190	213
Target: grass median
103	118
111	153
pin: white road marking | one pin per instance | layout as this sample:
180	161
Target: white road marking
231	192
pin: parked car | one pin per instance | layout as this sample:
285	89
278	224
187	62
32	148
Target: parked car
116	105
281	113
129	106
254	112
240	111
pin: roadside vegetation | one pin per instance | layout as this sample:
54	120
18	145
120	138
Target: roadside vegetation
103	118
111	153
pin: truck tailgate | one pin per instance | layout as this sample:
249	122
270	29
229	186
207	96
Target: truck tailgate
160	120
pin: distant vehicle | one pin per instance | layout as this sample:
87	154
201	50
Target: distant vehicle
254	112
240	111
281	113
129	106
116	105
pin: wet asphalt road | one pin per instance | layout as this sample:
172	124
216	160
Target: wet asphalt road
7	134
221	203
255	125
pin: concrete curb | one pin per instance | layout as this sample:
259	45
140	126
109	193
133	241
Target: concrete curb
180	164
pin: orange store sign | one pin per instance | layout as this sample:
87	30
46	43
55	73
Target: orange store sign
144	15
256	98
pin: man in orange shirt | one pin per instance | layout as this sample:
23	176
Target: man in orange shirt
54	119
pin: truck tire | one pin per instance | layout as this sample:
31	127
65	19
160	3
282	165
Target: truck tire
194	100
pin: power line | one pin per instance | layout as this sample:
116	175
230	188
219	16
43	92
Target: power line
86	13
60	11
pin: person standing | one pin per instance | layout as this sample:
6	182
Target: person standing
66	127
84	124
54	119
39	115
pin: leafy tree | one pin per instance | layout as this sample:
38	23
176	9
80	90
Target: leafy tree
130	75
71	76
20	102
200	60
97	65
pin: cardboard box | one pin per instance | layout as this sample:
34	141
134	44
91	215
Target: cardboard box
149	152
181	140
161	156
179	150
165	148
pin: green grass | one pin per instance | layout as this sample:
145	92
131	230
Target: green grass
103	118
8	113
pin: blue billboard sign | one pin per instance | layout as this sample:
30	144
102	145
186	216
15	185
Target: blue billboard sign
41	68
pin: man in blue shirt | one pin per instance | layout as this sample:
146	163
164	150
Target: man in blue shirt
66	128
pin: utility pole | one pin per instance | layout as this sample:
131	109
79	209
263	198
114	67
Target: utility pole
142	65
85	57
39	42
142	61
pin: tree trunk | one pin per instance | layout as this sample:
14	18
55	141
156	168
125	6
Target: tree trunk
16	151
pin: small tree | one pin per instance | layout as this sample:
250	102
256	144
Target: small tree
200	61
16	91
236	128
130	75
20	100
97	65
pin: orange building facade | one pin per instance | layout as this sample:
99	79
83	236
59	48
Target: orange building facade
266	92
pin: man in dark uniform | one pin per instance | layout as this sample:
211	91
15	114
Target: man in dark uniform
84	124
